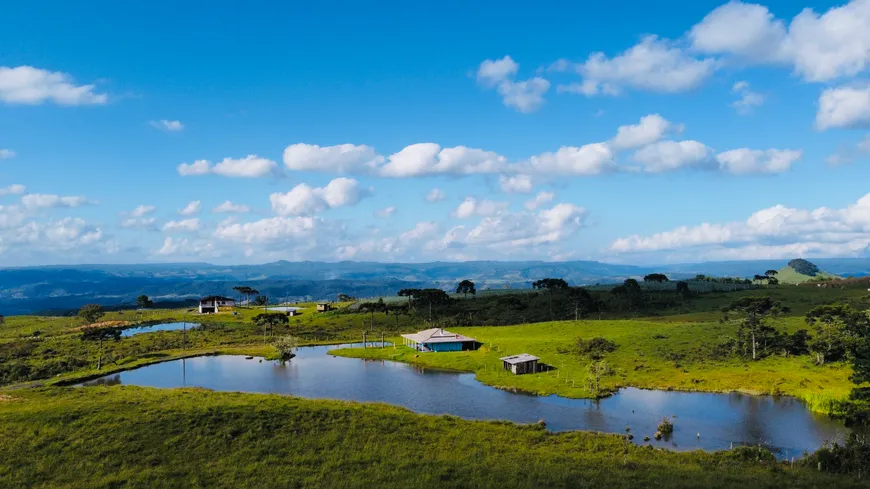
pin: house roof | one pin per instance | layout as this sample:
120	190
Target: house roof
215	298
437	335
521	358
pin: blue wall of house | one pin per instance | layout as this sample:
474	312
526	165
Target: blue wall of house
445	346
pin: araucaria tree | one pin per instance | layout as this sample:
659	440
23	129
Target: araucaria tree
754	330
91	313
270	320
840	330
550	284
143	301
466	287
656	277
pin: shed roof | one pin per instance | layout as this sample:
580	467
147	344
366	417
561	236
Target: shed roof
437	335
521	358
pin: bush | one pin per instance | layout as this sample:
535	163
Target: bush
751	454
285	346
852	456
666	426
596	347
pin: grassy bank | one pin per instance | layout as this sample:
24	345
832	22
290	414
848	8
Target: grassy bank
137	437
649	354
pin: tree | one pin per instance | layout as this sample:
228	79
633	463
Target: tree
143	301
2	319
261	300
344	298
91	313
270	320
595	371
841	330
550	284
656	277
466	287
754	329
582	302
409	293
240	289
372	308
286	346
771	273
683	289
101	335
629	291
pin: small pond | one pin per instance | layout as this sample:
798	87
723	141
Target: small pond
782	424
159	327
283	308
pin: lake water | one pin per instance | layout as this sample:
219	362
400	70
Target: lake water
283	308
158	327
782	424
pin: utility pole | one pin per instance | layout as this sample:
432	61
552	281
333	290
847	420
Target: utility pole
364	339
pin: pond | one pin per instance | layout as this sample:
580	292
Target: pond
283	308
159	327
782	424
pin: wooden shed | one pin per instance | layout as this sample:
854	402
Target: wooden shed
324	307
521	364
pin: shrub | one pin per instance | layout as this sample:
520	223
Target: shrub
751	454
666	426
596	347
285	346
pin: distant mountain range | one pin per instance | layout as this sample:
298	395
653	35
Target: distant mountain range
55	288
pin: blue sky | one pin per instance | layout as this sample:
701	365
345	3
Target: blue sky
636	133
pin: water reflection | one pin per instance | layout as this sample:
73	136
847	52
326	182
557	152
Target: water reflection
160	327
721	420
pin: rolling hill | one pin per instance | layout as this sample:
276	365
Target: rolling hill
799	271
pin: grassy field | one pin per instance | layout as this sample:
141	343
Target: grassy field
144	438
650	354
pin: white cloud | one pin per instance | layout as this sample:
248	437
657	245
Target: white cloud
513	231
650	129
672	155
142	210
304	199
182	226
590	159
229	207
31	86
539	200
818	47
515	184
342	158
251	166
653	64
49	201
473	207
185	247
430	159
6	154
848	154
524	96
435	195
386	211
14	189
776	231
191	208
847	107
167	125
276	229
748	99
744	160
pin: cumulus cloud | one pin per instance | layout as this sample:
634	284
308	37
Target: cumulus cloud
849	153
590	159
650	129
167	125
841	107
185	247
672	155
777	231
182	226
511	231
435	195
430	159
32	86
744	160
386	211
515	184
473	207
51	201
228	207
539	200
748	99
14	189
305	200
6	154
191	208
273	229
524	96
139	218
654	64
142	210
252	166
342	158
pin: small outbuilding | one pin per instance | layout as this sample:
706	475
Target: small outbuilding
437	339
324	307
521	364
213	304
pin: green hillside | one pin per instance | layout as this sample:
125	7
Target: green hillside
799	271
